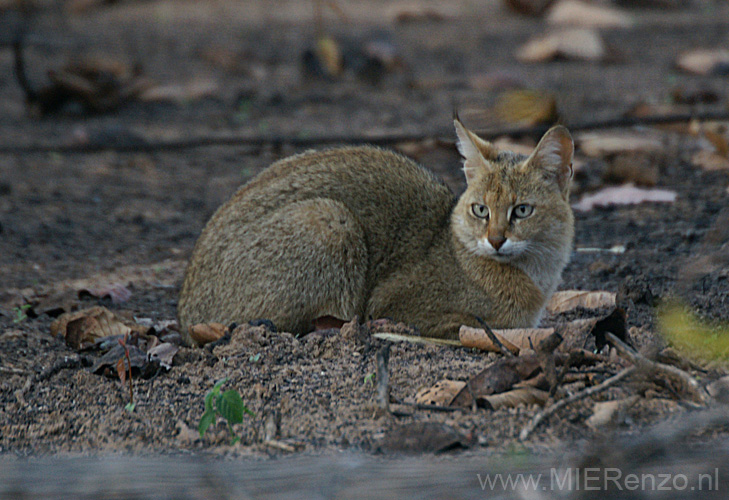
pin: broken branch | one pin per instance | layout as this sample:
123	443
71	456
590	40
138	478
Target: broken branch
684	381
552	409
258	142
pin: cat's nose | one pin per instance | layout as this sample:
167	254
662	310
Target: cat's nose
496	241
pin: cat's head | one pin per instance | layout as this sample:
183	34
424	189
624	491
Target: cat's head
515	206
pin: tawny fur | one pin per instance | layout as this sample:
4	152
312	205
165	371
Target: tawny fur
365	231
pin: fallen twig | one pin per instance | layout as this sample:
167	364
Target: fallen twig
545	353
492	336
552	409
383	379
258	142
12	371
685	381
68	362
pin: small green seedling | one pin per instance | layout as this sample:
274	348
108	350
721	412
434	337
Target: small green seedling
20	314
228	405
370	379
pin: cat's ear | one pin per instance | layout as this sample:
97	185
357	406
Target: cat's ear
475	151
554	154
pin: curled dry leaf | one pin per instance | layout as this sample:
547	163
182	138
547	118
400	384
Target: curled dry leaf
193	90
579	43
606	412
710	161
417	13
704	62
526	107
609	143
479	339
719	389
498	377
424	437
504	143
329	56
568	300
83	328
591	334
576	13
514	339
117	292
626	194
442	393
163	353
638	168
529	7
514	398
204	333
109	364
714	153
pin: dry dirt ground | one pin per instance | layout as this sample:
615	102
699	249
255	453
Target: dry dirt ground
132	217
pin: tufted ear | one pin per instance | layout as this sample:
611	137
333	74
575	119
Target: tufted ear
474	150
554	154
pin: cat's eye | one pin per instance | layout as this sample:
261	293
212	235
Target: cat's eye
522	211
480	211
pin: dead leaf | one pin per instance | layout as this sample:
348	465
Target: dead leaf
442	393
710	161
514	339
414	339
704	62
516	397
108	364
83	328
585	15
699	93
718	139
640	169
121	369
204	333
608	143
56	302
328	323
590	334
579	43
626	194
424	437
329	56
498	377
526	107
572	299
418	13
719	389
163	353
504	143
193	90
606	412
478	339
116	292
529	7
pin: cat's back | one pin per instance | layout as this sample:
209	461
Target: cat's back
385	190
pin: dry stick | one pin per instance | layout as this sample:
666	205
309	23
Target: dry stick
686	381
68	362
257	142
123	343
550	410
492	336
383	378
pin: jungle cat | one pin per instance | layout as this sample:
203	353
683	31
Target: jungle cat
363	231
